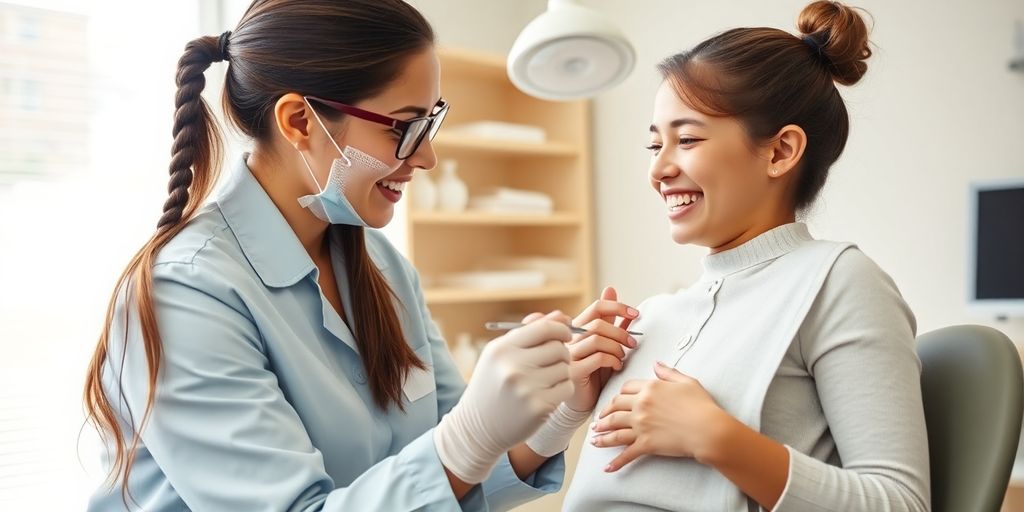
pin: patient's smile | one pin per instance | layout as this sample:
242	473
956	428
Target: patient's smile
674	201
680	204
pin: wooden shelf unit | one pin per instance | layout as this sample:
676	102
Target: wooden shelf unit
456	143
456	295
478	89
477	219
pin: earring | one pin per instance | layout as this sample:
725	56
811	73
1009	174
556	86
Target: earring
774	172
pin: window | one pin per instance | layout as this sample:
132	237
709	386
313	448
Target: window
28	30
86	104
46	90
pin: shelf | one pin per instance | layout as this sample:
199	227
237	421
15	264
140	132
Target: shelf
454	141
455	296
464	61
494	219
558	165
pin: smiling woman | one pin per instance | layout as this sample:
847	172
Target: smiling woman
785	378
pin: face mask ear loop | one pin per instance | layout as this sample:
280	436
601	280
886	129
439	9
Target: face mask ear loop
348	163
303	155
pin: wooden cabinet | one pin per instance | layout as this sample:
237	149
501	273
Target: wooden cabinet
439	243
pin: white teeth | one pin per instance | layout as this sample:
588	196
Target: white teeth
397	186
676	200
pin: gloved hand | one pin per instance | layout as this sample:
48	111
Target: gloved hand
520	378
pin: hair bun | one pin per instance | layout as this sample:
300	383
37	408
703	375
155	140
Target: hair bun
842	36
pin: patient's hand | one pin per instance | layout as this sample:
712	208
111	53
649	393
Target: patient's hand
672	416
599	352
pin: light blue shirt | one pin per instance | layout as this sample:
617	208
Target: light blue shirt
262	401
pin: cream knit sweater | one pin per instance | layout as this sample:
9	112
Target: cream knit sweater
808	342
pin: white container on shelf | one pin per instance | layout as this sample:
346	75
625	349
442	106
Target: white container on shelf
513	201
465	353
494	279
556	270
452	193
501	130
424	193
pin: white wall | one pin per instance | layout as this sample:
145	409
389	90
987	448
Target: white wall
937	108
488	25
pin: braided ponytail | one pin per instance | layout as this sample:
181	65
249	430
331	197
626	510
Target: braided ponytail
197	145
195	156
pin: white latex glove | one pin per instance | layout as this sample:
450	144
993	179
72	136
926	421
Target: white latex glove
517	383
556	433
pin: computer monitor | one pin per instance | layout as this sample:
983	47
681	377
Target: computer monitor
995	262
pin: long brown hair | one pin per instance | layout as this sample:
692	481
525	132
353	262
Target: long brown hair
347	51
768	78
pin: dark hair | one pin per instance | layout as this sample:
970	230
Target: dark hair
768	78
347	51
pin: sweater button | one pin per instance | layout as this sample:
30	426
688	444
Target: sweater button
715	286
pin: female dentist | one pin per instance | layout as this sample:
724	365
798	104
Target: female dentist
265	351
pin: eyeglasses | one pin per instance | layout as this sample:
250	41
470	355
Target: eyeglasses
413	130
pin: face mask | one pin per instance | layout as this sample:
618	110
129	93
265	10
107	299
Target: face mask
331	204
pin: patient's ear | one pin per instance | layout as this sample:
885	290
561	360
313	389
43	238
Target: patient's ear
786	149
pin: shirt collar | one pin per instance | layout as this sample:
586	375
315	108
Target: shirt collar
264	235
767	246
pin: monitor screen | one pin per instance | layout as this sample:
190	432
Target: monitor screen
998	243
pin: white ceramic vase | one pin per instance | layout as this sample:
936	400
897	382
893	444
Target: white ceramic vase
424	193
452	194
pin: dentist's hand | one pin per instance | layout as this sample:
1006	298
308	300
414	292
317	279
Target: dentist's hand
520	378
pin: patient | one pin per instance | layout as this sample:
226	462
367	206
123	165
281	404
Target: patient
786	377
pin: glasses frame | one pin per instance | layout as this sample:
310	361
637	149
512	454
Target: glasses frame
433	121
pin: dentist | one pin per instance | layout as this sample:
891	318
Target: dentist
265	350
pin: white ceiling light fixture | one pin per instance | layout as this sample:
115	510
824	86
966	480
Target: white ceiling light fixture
568	53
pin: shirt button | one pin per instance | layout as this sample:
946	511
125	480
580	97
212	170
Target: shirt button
360	377
713	287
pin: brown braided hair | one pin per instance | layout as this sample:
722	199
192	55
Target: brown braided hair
348	51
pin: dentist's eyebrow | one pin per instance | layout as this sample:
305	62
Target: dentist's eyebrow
680	122
411	109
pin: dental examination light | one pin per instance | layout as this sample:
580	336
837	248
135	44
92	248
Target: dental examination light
568	53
